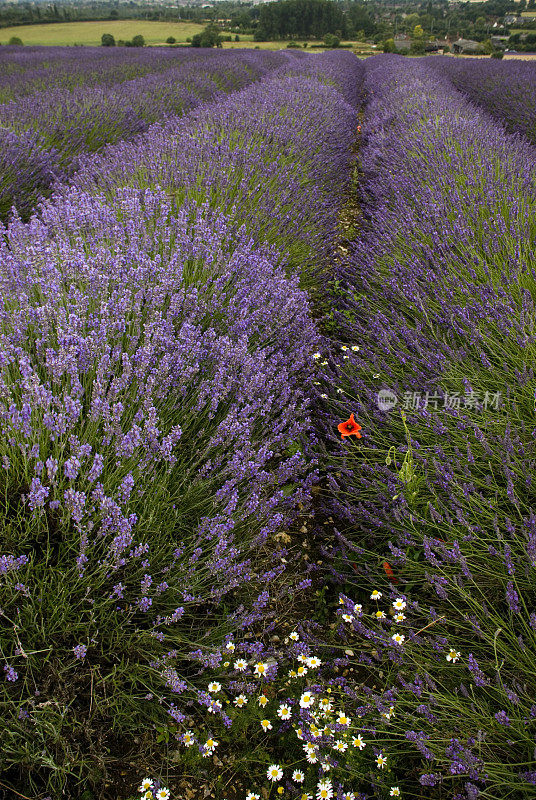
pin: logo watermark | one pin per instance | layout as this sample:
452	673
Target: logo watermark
413	401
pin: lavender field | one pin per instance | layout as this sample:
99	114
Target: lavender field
267	426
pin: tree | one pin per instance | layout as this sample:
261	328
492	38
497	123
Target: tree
209	37
107	40
331	41
15	41
388	46
170	40
237	38
138	41
417	43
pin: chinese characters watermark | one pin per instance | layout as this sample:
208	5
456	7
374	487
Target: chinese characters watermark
413	401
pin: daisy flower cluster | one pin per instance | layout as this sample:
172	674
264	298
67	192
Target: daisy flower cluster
151	790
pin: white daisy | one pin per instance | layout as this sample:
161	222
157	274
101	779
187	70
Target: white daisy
260	669
188	738
240	664
380	614
376	595
313	662
340	746
347	618
240	701
230	646
266	725
398	638
343	719
284	712
306	700
453	656
274	772
395	791
358	608
262	700
399	617
316	355
214	687
355	348
252	796
358	742
399	604
162	794
298	776
294	636
381	761
214	707
146	784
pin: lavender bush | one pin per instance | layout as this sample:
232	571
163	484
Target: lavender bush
156	372
71	121
434	310
506	90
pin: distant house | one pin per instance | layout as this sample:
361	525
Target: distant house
499	41
402	41
465	46
512	19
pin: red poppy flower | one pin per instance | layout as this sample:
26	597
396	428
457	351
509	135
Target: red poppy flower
349	428
359	128
389	572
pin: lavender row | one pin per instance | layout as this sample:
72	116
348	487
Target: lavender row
155	380
506	90
30	70
42	137
435	502
260	157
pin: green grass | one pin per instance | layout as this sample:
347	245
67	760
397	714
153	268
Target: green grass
89	33
155	33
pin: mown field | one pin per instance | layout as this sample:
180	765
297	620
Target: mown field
267	426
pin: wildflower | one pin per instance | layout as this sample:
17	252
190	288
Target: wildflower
274	772
306	796
302	658
343	347
341	600
358	608
230	646
280	790
358	742
294	636
284	712
266	725
147	796
226	663
188	739
311	757
389	572
262	700
325	704
313	662
80	651
347	618
395	791
343	719
260	669
292	673
306	700
349	428
348	796
214	707
301	671
453	656
355	348
252	796
324	790
298	776
315	732
380	614
240	701
240	665
381	761
324	396
146	784
162	794
399	617
210	745
398	638
376	595
316	356
340	746
399	604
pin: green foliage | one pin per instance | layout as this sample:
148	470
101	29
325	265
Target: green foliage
331	41
170	40
138	41
107	40
210	37
300	18
15	41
